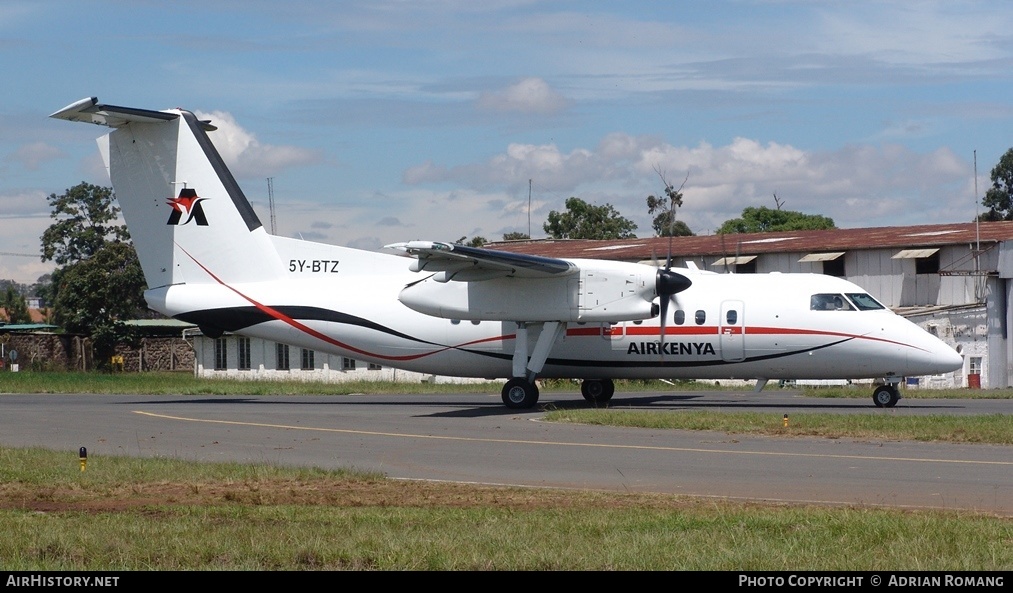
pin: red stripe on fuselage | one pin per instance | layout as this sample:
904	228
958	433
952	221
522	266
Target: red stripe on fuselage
324	337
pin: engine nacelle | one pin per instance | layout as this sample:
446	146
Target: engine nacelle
599	291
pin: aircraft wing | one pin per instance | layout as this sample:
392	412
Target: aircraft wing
462	263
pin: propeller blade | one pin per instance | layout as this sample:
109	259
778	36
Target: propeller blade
663	311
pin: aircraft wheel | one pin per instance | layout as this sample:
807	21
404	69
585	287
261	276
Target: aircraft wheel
885	396
518	393
598	391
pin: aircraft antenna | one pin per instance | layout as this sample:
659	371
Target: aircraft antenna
270	202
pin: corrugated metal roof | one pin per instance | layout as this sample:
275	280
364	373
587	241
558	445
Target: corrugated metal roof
920	236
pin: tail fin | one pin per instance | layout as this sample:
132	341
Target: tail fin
188	219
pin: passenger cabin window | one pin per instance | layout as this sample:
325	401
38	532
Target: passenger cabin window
731	317
701	317
680	317
864	302
829	302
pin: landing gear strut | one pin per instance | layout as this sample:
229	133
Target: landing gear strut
521	391
598	391
886	396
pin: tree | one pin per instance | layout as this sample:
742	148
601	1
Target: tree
515	236
665	223
14	306
99	283
476	241
85	216
96	295
763	219
586	221
999	198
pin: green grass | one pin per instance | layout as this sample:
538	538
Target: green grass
865	392
159	514
996	429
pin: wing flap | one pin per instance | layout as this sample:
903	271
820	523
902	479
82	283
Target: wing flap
459	262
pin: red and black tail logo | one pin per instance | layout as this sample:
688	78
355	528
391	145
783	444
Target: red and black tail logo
187	204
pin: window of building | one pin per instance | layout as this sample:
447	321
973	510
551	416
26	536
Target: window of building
927	265
974	365
243	344
307	360
834	267
281	357
748	267
347	364
374	367
221	354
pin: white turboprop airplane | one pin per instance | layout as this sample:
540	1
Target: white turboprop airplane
468	312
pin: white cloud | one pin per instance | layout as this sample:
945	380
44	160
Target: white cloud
246	156
856	185
30	156
531	95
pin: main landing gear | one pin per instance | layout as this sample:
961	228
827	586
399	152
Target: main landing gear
886	396
520	393
597	391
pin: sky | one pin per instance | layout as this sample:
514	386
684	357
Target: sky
391	120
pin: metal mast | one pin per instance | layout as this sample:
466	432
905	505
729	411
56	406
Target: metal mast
270	202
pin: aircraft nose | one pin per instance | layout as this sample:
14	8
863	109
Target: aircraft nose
939	359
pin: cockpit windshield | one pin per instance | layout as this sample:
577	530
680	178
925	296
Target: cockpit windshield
864	302
829	302
838	302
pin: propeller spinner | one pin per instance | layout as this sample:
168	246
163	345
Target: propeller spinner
668	284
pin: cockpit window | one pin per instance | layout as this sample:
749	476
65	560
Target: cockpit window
864	302
829	302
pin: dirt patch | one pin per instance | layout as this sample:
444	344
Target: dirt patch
335	493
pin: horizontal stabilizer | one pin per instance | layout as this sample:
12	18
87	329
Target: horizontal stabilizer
89	110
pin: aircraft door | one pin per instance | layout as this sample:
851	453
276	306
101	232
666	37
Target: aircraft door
731	330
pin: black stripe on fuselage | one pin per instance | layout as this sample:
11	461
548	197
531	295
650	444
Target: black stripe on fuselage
234	319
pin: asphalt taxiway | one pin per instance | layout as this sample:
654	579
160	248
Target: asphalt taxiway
473	438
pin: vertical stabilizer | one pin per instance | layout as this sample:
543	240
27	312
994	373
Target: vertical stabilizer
187	216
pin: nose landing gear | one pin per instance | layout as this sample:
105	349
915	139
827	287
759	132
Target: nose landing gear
886	396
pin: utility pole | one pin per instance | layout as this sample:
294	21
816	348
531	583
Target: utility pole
529	208
270	202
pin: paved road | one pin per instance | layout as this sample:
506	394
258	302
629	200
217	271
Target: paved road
473	438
